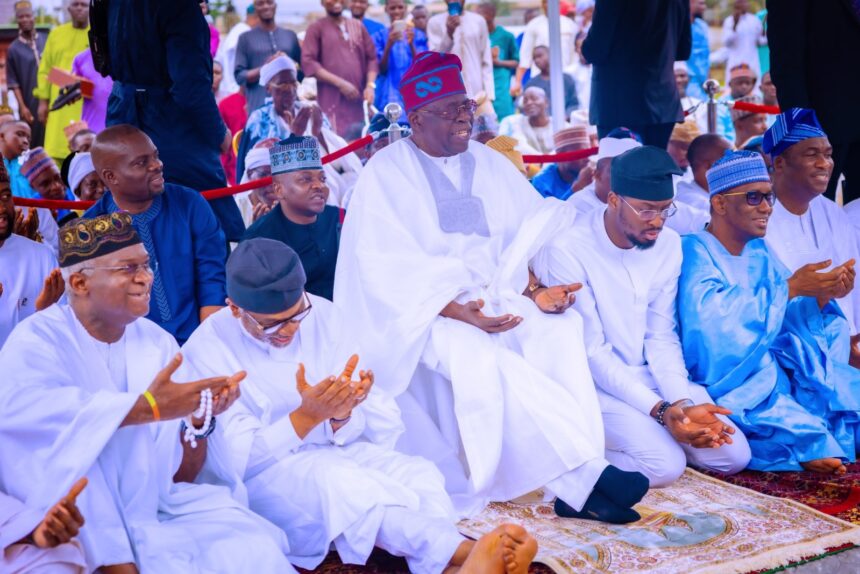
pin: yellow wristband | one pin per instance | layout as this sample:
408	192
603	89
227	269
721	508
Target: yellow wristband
153	405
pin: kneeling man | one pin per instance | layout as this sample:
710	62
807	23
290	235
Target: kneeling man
83	390
776	358
318	460
654	419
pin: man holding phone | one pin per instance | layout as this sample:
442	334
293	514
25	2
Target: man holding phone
465	35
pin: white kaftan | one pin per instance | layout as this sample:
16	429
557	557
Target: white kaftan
24	266
60	417
350	488
471	43
500	414
627	302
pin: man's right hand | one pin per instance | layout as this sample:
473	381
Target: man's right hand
810	281
176	400
470	313
62	522
27	115
685	431
322	401
451	25
42	111
299	123
349	91
52	289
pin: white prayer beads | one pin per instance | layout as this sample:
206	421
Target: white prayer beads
204	411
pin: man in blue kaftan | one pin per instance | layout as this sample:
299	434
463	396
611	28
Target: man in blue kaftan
775	356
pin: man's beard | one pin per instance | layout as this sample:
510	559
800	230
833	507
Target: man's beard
638	243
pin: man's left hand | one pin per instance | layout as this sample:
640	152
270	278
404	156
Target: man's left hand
369	94
52	290
585	177
27	227
63	521
225	399
704	416
557	299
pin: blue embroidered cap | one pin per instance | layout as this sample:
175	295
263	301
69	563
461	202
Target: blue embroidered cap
791	127
734	169
294	154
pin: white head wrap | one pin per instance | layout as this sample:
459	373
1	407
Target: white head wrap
275	67
257	157
81	167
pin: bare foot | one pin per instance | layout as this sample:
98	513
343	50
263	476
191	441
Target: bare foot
506	550
825	466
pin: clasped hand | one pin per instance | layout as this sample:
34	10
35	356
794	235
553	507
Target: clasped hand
698	425
811	281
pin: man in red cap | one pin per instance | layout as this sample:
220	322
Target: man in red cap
487	365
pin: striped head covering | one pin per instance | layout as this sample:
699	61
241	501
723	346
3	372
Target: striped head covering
791	127
738	115
506	146
734	169
295	153
741	71
35	161
685	132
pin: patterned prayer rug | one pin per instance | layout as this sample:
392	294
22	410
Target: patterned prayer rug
837	496
698	525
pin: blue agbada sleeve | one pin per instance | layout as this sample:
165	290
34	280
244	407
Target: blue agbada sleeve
727	325
210	254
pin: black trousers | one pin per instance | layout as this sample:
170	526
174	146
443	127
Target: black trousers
651	134
846	159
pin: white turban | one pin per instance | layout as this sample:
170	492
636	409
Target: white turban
256	157
613	147
81	167
275	67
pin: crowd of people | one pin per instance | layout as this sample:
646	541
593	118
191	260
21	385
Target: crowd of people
357	353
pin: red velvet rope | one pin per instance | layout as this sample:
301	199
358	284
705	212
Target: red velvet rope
262	182
564	156
756	108
209	194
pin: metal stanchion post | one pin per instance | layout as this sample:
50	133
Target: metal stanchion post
712	87
392	113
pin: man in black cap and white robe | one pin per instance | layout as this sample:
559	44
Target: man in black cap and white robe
315	450
655	419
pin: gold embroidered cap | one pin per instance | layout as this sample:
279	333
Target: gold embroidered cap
87	238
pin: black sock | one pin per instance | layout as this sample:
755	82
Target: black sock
622	487
597	507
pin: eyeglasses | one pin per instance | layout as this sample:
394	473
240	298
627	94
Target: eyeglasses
651	214
755	197
150	267
275	327
469	106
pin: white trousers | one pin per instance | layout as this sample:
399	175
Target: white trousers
427	542
636	442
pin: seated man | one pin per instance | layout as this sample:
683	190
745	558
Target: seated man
301	218
776	358
595	193
80	175
654	419
742	80
283	115
176	225
87	380
808	232
540	57
532	128
14	141
702	153
565	178
433	277
33	541
680	139
748	124
29	280
317	460
256	203
43	175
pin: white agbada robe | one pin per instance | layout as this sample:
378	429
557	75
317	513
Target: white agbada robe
471	43
586	199
852	212
350	488
530	140
742	42
17	522
501	414
627	303
61	406
823	232
694	195
24	266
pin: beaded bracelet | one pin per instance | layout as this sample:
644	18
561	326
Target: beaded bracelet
661	412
